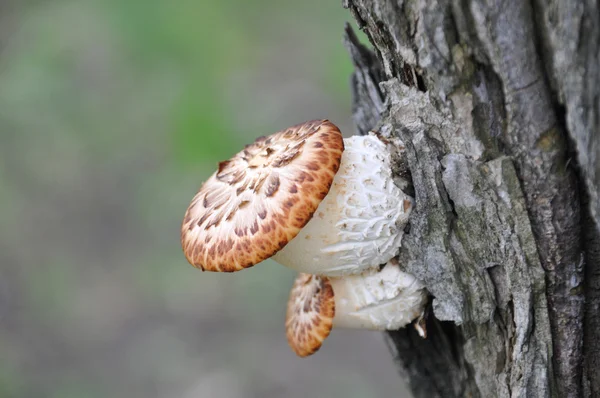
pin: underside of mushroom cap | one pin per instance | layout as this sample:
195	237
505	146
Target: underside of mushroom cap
310	312
260	199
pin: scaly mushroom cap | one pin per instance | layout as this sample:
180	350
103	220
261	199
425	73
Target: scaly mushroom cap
261	198
310	312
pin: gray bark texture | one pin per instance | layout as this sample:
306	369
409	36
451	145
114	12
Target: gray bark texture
497	106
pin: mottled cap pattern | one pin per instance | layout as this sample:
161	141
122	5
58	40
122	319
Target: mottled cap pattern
310	312
255	203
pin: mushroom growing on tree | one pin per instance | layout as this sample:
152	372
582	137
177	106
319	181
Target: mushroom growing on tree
315	202
322	205
378	300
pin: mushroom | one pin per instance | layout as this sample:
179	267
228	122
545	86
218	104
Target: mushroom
377	300
316	202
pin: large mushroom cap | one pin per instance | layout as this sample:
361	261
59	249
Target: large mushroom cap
310	312
260	199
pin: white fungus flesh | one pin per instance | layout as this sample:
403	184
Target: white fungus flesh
378	300
360	223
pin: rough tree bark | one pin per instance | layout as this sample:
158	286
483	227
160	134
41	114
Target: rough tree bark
498	107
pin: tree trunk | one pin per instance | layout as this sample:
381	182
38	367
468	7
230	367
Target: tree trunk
498	108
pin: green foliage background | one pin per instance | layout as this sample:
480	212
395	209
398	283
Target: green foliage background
112	113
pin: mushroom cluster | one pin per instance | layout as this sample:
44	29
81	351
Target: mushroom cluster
325	206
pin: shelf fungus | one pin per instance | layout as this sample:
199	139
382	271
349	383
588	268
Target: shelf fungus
378	300
315	202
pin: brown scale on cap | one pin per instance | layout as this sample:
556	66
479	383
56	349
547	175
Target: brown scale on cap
260	199
310	312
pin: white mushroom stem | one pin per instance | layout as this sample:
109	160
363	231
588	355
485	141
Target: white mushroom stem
360	222
379	300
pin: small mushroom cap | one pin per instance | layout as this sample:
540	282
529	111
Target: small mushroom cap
310	312
260	199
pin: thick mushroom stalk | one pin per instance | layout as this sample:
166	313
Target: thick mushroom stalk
360	222
377	300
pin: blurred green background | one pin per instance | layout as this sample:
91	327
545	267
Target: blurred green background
112	114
